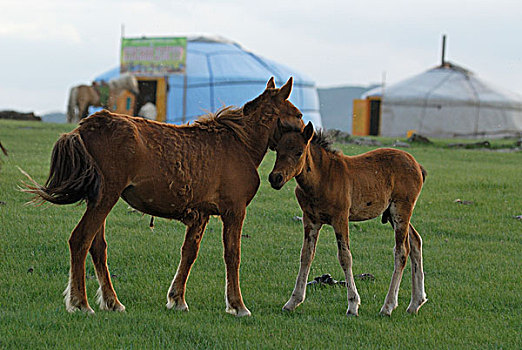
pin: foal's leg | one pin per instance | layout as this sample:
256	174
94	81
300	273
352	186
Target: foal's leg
189	253
107	298
345	259
400	215
311	232
418	296
232	224
79	244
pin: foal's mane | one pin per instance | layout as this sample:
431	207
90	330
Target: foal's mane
319	138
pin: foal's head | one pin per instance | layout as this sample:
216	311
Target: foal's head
292	147
273	104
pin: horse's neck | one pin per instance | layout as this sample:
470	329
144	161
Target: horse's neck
313	172
258	133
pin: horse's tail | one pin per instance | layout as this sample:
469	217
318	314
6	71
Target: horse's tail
424	173
71	105
3	149
73	176
386	216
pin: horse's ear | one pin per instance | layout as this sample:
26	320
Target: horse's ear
271	83
286	89
308	131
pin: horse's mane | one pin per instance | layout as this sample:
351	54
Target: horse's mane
319	138
227	118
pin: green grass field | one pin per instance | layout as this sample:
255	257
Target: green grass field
472	263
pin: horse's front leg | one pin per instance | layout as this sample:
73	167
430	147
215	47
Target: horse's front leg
107	298
311	232
189	253
232	225
345	259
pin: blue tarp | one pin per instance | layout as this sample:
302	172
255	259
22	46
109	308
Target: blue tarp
221	73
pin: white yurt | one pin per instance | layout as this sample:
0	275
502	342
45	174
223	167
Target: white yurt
448	101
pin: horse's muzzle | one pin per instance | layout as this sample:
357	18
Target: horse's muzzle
276	180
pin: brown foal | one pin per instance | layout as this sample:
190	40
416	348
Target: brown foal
333	188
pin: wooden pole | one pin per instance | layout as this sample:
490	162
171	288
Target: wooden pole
443	59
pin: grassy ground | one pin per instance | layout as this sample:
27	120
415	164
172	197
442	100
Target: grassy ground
472	257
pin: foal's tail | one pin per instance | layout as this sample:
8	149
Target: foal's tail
386	216
424	173
73	176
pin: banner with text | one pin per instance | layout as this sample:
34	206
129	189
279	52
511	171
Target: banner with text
153	55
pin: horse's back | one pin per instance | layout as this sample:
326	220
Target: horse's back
181	165
387	162
379	177
109	133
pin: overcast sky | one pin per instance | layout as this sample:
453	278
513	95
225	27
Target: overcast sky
47	46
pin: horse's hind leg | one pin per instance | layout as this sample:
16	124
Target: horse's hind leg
345	259
232	224
400	216
107	298
189	253
79	244
311	232
418	296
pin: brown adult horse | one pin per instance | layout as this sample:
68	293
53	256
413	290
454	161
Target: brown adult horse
333	188
83	96
184	172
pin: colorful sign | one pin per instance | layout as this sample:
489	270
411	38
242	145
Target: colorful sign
153	55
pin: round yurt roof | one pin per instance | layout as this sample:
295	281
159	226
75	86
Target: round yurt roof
449	84
448	101
221	72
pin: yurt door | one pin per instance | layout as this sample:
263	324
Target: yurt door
153	90
375	116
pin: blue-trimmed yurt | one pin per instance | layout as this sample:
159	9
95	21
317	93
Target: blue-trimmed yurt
218	73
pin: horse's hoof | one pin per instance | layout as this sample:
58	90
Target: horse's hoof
292	304
388	308
352	314
287	309
414	308
85	309
238	312
384	312
119	307
243	312
181	307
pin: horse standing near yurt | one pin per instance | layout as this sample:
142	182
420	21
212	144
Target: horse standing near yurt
184	172
102	94
333	188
